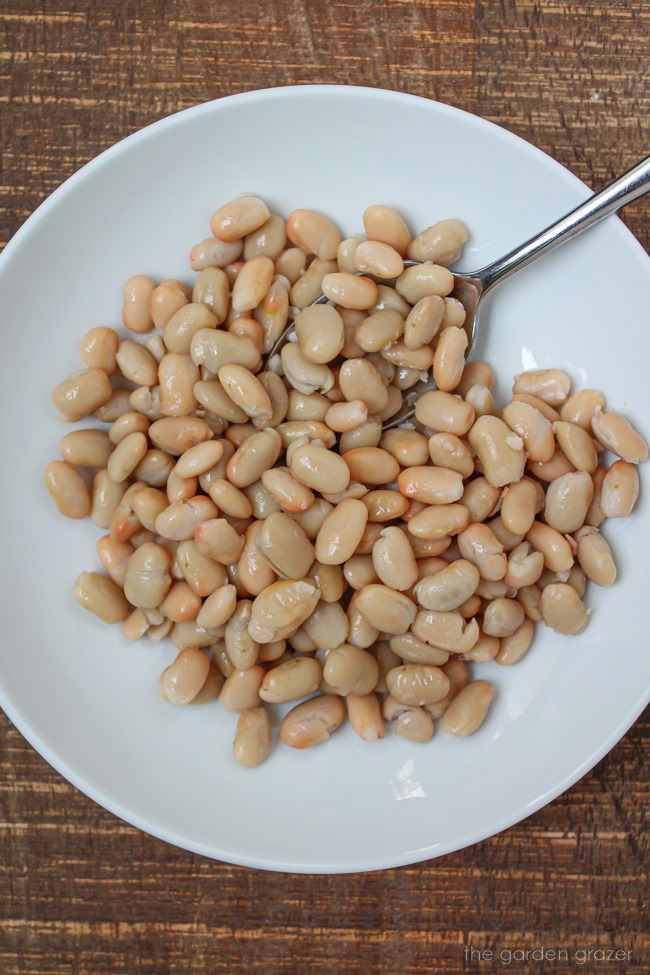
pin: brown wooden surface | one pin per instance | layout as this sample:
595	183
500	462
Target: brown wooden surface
81	892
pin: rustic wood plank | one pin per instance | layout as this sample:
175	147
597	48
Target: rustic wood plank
82	893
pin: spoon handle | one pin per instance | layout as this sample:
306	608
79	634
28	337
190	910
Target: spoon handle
623	190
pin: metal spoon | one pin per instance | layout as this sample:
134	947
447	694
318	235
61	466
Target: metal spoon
470	286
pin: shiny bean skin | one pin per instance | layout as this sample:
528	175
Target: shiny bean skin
180	603
97	349
393	559
563	610
502	617
533	428
135	310
360	380
105	498
281	608
449	358
385	505
214	348
256	454
314	233
449	451
349	290
616	433
100	596
269	239
241	689
312	721
177	376
440	243
319	469
480	498
217	539
479	545
577	446
558	555
379	259
431	485
412	650
379	330
443	412
68	489
595	556
422	280
364	712
385	224
519	506
187	321
246	391
367	434
252	743
285	546
81	393
448	588
114	557
581	407
145	400
417	684
550	385
203	574
415	724
371	465
475	373
467	711
291	680
436	521
548	470
341	532
126	424
567	501
253	281
386	609
514	647
240	217
423	322
619	490
178	433
87	448
126	456
148	576
500	451
320	333
456	672
351	670
116	405
309	285
214	253
446	630
524	566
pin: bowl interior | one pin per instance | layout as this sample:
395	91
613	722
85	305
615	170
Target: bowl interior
86	698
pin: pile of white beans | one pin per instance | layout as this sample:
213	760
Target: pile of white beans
263	519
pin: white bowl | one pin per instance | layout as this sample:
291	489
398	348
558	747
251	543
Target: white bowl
86	698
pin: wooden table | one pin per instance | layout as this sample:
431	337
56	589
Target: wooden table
82	893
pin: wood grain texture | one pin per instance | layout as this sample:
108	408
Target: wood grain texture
82	893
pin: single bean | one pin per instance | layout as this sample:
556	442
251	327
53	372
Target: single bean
425	279
409	648
379	259
349	290
148	576
436	521
617	434
360	380
135	310
567	501
81	393
100	596
446	630
595	557
417	684
448	588
319	469
341	532
281	608
620	490
371	465
214	348
252	743
444	412
351	670
241	690
203	574
441	243
180	603
378	330
385	224
456	672
213	253
577	445
467	711
550	385
431	485
393	559
533	428
255	455
548	470
449	358
68	489
524	566
364	712
240	217
581	407
309	285
557	552
500	451
386	609
502	616
563	610
312	721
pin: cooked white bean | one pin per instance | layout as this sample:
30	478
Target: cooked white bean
563	610
100	596
467	711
